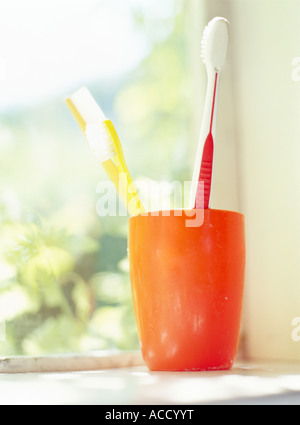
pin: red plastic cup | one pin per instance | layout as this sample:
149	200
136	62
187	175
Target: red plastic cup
187	286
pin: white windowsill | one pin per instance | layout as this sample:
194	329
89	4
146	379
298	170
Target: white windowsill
123	379
71	362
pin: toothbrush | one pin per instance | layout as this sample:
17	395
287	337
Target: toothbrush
106	146
214	54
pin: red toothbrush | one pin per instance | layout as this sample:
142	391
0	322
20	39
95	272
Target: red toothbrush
214	52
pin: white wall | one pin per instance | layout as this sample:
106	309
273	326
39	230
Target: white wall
257	169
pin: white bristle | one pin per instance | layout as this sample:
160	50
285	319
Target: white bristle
87	106
215	42
100	141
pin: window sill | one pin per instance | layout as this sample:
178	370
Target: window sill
71	362
123	379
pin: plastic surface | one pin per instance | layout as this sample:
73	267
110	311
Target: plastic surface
187	286
106	146
205	177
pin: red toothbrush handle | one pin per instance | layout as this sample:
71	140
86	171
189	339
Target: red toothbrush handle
205	176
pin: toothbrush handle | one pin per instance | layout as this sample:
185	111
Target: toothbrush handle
205	176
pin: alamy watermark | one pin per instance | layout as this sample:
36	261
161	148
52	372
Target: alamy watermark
296	329
158	199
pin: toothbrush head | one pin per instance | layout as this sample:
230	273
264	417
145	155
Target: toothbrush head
215	43
93	123
100	141
86	106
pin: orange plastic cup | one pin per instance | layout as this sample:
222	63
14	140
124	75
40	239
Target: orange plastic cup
187	286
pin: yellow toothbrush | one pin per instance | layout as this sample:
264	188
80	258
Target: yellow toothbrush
105	143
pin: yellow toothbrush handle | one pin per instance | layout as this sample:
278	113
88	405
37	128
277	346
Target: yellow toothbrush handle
118	180
76	114
115	169
134	203
123	187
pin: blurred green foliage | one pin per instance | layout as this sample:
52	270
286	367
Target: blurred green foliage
64	275
52	296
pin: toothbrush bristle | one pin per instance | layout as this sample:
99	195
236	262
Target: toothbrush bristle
203	42
100	141
86	106
214	43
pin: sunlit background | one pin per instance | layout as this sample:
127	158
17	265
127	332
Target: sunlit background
64	278
64	283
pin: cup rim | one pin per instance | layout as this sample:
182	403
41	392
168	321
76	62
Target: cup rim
159	213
